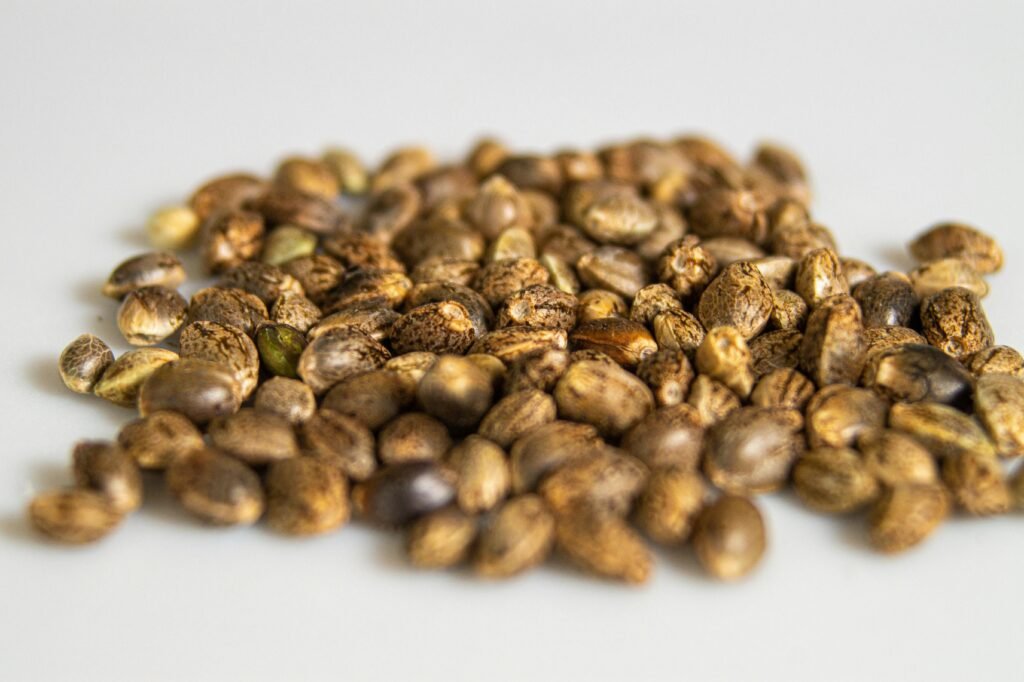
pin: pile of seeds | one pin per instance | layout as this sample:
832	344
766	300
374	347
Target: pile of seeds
516	354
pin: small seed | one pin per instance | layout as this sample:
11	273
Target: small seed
226	346
540	305
935	276
599	304
266	282
775	350
615	269
609	398
517	414
834	480
887	300
915	372
456	391
999	405
340	441
109	470
498	206
413	436
789	310
295	310
172	227
287	398
149	315
146	270
678	330
752	449
606	480
977	483
819	276
739	297
955	240
399	494
895	458
954	322
338	354
483	472
669	505
229	307
83	361
668	373
517	538
833	348
254	437
786	388
374	398
671	436
837	415
944	430
905	515
280	349
308	176
441	539
512	343
286	243
319	275
348	171
996	360
73	516
305	496
121	381
603	544
231	238
725	357
216	488
199	389
156	440
729	537
712	400
225	193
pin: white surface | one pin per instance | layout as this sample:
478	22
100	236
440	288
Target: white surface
905	113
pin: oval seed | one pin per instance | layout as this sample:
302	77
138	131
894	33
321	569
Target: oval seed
295	311
73	516
110	471
173	227
149	315
338	354
887	300
341	441
286	243
724	356
402	493
669	436
955	240
305	496
996	360
895	458
606	479
834	480
254	437
785	388
738	297
226	346
483	473
833	347
456	391
83	361
443	327
229	307
441	539
838	414
608	397
944	430
199	389
603	544
280	349
729	537
216	488
123	379
517	538
712	400
977	483
517	414
287	398
752	449
374	398
905	515
935	276
413	436
669	505
146	270
954	322
158	439
915	372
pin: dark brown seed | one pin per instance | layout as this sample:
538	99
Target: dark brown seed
146	270
158	439
264	281
199	389
318	274
227	306
483	473
624	341
441	539
833	348
512	343
712	399
739	297
671	436
106	468
149	315
615	269
887	300
956	240
837	415
954	321
905	515
516	415
83	361
785	388
227	346
231	238
398	494
999	405
776	350
603	544
305	496
752	449
914	372
444	327
944	430
547	448
996	360
254	437
540	305
669	505
834	480
225	193
338	354
216	488
374	398
342	442
606	480
729	537
456	391
286	206
609	398
73	516
895	458
287	398
668	373
518	537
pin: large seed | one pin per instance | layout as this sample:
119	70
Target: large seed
216	488
789	310
729	537
338	354
955	240
669	504
149	315
954	321
441	539
834	480
254	437
199	389
146	270
83	361
413	436
608	397
838	414
308	176
833	347
305	496
999	405
225	193
287	398
905	515
739	297
752	449
456	391
341	441
914	372
404	492
603	544
540	305
121	382
483	473
224	345
944	430
106	468
73	516
669	436
624	341
517	538
517	414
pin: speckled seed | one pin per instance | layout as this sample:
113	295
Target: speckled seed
786	388
340	441
295	310
795	240
413	436
513	343
348	170
83	361
156	440
254	437
149	315
230	307
231	238
955	240
668	506
977	483
319	275
887	300
411	367
226	346
619	219
266	282
374	398
73	516
338	354
834	480
599	304
778	271
216	488
359	251
944	430
547	448
399	494
857	271
624	341
106	468
651	300
905	515
172	227
441	539
511	244
712	399
678	330
739	297
838	414
225	193
935	276
518	537
819	276
496	206
456	390
438	292
668	373
440	269
833	348
999	405
483	472
286	243
373	320
121	381
603	544
146	270
615	269
723	212
517	414
199	389
444	327
309	176
609	398
775	350
752	449
878	339
287	206
789	310
954	321
500	279
728	250
669	436
914	372
289	399
438	237
996	360
725	357
305	496
729	537
539	371
540	305
894	458
606	480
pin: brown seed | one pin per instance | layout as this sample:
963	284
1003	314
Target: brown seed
305	496
225	193
83	361
374	398
217	488
668	373
723	212
456	391
563	276
783	169
149	315
359	251
977	483
999	405
578	198
413	436
651	300
725	357
517	414
286	206
512	244
728	250
231	238
879	339
833	348
498	206
227	306
565	242
599	304
266	282
437	237
954	321
399	494
996	360
619	219
338	354
486	155
834	480
712	399
887	300
106	468
73	516
348	170
318	274
785	388
199	389
796	240
289	399
944	430
775	350
483	472
308	176
789	310
547	448
226	346
778	271
411	367
441	269
295	310
441	539
340	441
729	537
752	449
158	439
539	305
955	240
857	271
905	515
500	279
372	320
838	414
603	544
678	330
539	371
894	458
121	381
624	341
671	436
609	398
606	480
787	212
915	372
579	166
369	287
437	292
254	437
444	327
517	538
532	172
739	297
146	270
935	276
513	343
669	505
820	276
615	269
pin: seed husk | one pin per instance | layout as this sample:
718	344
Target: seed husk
441	540
106	468
738	297
977	483
724	356
905	515
956	240
399	494
280	349
305	496
608	397
669	504
146	270
172	227
712	400
199	389
73	516
340	441
228	306
999	405
603	544
669	436
944	430
895	458
484	478
254	437
954	322
413	436
887	300
775	350
216	488
834	480
374	398
519	536
227	346
915	372
287	398
838	414
83	361
149	315
786	388
121	382
729	537
158	439
338	354
517	414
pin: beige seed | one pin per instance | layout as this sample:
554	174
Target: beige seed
441	539
834	480
305	496
518	537
338	354
341	441
999	405
752	449
456	390
605	479
603	544
786	388
669	505
725	357
158	439
599	304
374	398
545	449
226	346
729	537
83	361
73	516
216	488
172	227
819	276
669	436
411	437
895	458
977	483
955	240
106	468
944	430
517	414
149	315
255	437
954	322
289	399
678	330
996	360
121	382
933	277
833	348
738	297
838	414
712	400
905	515
483	472
609	398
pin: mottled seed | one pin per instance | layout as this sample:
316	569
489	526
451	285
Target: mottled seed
539	305
834	480
797	239
944	430
512	343
146	270
915	372
724	356
158	439
444	327
887	300
606	480
83	361
833	347
752	449
398	494
338	354
286	243
309	176
289	399
729	537
954	321
599	304
878	339
500	279
228	306
996	360
619	219
669	505
789	310
438	237
438	292
266	282
483	473
517	414
786	388
956	240
340	441
441	269
838	414
678	330
374	321
739	297
172	227
820	276
295	310
287	206
199	389
255	437
121	381
538	371
722	212
305	496
778	271
216	488
609	398
712	399
73	516
517	538
999	405
624	341
441	539
456	391
227	346
231	238
106	468
149	315
374	398
668	373
775	350
905	515
615	269
895	458
319	275
603	544
413	436
977	483
225	193
935	276
359	251
651	300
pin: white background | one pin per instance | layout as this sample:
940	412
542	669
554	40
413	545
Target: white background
906	113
